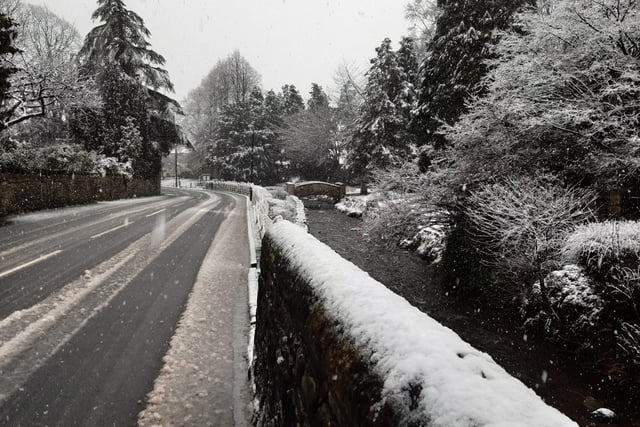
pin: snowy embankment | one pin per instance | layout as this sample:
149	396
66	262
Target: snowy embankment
426	373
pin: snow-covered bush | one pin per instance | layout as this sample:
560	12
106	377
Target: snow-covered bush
606	249
20	157
573	299
520	225
283	208
429	242
629	342
408	211
353	206
563	94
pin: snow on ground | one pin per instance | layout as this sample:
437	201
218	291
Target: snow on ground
459	385
77	210
353	206
29	337
182	182
203	380
428	242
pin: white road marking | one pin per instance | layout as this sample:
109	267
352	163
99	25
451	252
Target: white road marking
156	213
126	224
30	263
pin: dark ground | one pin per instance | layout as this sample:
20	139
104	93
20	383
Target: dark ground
574	387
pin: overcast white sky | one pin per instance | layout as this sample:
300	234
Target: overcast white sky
286	41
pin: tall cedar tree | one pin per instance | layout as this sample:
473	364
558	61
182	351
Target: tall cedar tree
121	39
8	35
451	72
130	73
382	137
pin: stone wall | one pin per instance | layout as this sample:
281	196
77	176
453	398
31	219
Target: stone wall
335	347
305	371
304	189
24	193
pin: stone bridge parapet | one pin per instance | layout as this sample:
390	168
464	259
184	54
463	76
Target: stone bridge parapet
316	188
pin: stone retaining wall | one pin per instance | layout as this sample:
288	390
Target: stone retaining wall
25	193
335	347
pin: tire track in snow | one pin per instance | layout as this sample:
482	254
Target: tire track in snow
29	337
203	380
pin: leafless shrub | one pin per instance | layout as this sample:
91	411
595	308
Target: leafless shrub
521	224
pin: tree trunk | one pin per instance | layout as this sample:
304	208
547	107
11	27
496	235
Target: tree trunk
363	188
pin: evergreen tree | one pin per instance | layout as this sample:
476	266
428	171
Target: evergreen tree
318	98
292	101
8	35
451	72
381	136
121	39
129	74
245	148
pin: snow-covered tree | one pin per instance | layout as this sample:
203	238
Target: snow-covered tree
455	64
231	80
47	81
8	35
318	99
422	16
245	147
381	136
563	96
292	101
121	39
118	51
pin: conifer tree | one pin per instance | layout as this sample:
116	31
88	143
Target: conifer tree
121	39
292	101
451	73
382	137
129	74
318	99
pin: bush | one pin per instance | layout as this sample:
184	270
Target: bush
520	224
19	157
607	250
574	300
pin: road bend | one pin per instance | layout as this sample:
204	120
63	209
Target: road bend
90	298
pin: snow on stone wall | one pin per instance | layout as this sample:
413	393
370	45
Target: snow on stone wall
259	195
335	346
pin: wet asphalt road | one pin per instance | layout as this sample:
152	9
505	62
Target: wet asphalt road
102	367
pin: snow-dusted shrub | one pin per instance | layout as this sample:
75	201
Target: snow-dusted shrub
429	242
606	249
407	211
563	94
60	158
573	299
520	225
283	208
628	341
353	206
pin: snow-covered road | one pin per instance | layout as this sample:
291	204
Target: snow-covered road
90	298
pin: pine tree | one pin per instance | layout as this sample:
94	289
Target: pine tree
382	137
245	148
292	101
451	72
318	99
